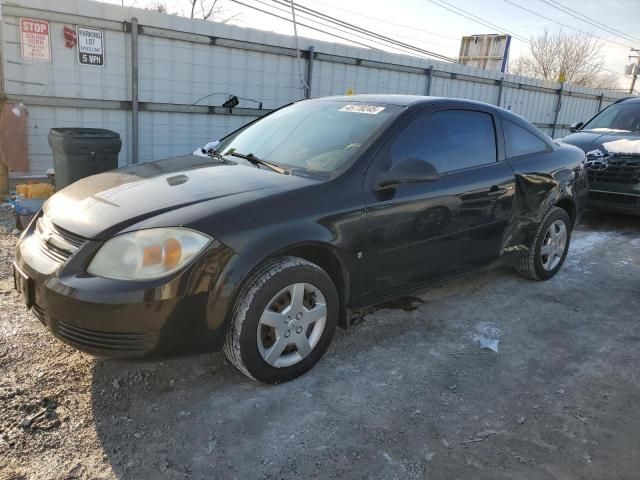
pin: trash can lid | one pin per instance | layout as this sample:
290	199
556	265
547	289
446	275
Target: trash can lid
83	133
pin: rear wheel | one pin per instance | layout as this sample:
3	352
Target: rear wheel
549	248
283	321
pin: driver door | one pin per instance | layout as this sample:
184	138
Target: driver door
422	232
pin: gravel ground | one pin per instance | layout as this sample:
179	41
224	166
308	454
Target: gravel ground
405	394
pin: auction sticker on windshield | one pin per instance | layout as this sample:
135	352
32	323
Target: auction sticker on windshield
370	109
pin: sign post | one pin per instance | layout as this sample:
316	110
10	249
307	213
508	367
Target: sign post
35	39
90	46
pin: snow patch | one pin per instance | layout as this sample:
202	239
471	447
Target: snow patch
624	146
583	244
611	130
202	152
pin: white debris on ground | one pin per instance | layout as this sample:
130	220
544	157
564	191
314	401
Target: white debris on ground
487	336
623	146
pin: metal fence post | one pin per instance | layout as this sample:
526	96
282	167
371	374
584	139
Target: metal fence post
427	88
557	114
134	90
600	100
500	88
312	54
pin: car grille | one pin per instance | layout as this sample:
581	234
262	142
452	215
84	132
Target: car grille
108	341
620	169
56	243
614	198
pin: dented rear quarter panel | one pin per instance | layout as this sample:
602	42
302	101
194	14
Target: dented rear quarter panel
542	181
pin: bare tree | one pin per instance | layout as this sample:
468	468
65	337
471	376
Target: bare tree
157	6
200	9
560	57
206	8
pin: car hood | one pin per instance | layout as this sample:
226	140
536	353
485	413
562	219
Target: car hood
589	140
101	205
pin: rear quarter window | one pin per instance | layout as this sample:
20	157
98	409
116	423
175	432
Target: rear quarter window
519	141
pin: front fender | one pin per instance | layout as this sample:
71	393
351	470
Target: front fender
340	233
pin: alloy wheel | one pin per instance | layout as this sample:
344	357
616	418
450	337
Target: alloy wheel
554	245
291	325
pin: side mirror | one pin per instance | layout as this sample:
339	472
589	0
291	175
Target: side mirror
407	170
574	127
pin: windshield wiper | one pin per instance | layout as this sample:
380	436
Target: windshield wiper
250	157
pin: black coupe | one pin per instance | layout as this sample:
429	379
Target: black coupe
289	224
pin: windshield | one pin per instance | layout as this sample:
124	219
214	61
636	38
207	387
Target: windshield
620	116
316	136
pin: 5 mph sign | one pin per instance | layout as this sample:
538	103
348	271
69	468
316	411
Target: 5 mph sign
90	46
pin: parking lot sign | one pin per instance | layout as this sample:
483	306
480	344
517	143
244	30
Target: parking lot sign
90	46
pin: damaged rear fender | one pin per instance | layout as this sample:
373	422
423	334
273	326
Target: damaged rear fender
535	194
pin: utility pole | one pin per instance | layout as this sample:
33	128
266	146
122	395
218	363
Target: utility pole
635	74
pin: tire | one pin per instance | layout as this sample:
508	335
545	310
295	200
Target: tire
271	310
537	264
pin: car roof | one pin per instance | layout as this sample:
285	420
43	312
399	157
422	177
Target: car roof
399	99
628	100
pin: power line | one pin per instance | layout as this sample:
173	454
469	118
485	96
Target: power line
476	19
322	15
331	34
591	21
419	40
565	25
332	25
387	22
348	32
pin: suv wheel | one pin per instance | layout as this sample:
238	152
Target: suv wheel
549	248
283	320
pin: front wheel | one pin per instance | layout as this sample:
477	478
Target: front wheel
283	321
549	248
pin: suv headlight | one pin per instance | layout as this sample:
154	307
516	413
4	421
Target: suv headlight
147	254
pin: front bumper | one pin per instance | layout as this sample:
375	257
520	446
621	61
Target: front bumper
114	318
614	201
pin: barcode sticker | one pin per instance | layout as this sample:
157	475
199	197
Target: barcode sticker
369	109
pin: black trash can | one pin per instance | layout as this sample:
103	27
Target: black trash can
80	152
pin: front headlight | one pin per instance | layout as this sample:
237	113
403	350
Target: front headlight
147	254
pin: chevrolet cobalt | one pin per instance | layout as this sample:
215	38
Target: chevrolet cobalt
289	224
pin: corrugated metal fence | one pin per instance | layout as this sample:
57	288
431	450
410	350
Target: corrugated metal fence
180	61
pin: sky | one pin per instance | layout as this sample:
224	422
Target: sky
424	24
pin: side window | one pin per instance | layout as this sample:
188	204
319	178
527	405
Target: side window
449	140
519	141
